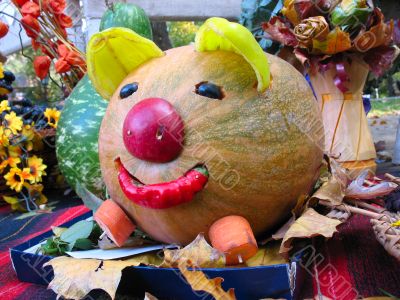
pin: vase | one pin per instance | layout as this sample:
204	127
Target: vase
347	136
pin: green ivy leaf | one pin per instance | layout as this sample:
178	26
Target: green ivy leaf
80	230
83	244
351	15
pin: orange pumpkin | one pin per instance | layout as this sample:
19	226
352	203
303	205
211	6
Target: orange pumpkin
262	150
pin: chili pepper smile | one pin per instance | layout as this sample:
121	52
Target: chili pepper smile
162	195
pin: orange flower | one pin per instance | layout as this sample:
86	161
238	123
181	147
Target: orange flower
64	21
12	162
35	45
44	4
46	51
62	50
41	64
57	6
31	26
72	57
20	3
3	29
30	8
62	66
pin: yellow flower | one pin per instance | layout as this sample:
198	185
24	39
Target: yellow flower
3	153
36	168
1	70
10	161
29	134
4	106
13	122
4	141
35	193
14	151
52	115
16	178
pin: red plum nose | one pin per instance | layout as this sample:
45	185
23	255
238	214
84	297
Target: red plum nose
153	131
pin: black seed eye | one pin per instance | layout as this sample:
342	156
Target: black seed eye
128	89
210	90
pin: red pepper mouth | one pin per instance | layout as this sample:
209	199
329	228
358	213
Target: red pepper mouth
166	194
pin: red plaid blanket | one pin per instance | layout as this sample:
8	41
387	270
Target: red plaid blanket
352	264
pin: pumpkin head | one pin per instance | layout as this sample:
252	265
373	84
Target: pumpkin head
209	106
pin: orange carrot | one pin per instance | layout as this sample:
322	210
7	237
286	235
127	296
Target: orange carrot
233	236
114	222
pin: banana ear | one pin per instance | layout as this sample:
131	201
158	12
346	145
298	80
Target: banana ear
113	53
220	34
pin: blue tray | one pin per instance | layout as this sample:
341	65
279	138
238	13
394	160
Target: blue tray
277	281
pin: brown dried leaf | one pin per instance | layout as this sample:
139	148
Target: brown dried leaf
148	296
268	255
380	34
200	282
332	191
310	224
75	278
280	234
199	252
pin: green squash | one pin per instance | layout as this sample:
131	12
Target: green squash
127	15
77	137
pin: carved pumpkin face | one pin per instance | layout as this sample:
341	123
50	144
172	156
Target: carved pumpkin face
189	108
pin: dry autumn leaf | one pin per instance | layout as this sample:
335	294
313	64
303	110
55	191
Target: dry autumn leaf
310	224
75	278
378	35
199	252
148	296
267	256
200	282
280	234
336	41
332	191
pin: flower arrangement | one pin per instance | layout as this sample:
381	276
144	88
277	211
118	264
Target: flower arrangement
46	23
20	140
325	33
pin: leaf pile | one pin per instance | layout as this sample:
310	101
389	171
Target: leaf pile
199	253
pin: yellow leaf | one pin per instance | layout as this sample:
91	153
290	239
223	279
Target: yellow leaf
15	203
75	278
200	282
289	11
220	34
198	252
395	224
336	41
268	255
332	191
310	224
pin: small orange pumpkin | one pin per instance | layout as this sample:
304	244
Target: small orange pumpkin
260	150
